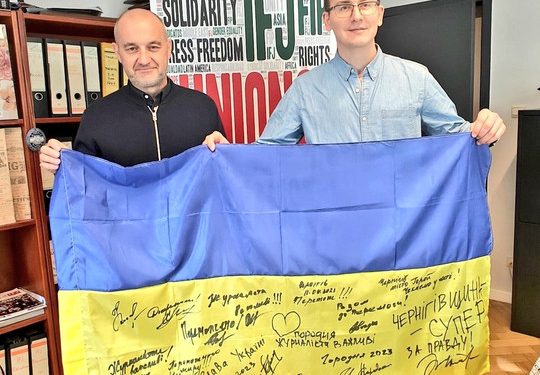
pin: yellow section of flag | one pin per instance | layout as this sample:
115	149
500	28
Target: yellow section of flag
422	321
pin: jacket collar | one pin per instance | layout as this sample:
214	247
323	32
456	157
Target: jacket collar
147	98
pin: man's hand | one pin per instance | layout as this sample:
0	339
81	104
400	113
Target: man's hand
49	155
487	128
213	139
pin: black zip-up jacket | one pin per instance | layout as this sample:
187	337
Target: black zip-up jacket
120	127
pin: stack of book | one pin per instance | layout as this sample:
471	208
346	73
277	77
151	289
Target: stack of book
19	304
144	4
72	11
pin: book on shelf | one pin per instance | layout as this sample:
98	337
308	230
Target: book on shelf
93	11
8	101
20	304
7	211
110	69
17	172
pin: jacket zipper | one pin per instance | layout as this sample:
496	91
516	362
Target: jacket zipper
154	118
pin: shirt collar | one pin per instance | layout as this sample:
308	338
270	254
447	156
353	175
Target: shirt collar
345	70
148	98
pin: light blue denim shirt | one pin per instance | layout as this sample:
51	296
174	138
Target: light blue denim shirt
394	99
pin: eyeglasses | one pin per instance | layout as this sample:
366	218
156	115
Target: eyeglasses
344	10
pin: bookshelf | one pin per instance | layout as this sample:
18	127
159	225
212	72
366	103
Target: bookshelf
24	251
24	260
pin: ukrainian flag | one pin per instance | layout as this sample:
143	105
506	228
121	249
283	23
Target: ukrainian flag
346	259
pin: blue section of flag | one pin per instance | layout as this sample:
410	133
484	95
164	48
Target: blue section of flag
270	210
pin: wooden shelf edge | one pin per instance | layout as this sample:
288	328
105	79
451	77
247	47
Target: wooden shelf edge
68	18
17	224
69	26
13	122
58	120
23	323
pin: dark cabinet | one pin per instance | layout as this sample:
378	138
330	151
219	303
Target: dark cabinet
526	274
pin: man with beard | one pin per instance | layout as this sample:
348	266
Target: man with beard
149	119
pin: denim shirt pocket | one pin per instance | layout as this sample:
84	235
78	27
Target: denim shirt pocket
400	123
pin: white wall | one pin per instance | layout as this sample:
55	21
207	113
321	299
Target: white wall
515	77
110	8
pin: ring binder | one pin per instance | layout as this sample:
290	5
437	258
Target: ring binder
75	77
38	79
91	72
57	77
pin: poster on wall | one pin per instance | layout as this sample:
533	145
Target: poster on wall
244	54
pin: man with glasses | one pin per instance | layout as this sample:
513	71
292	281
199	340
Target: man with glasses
363	94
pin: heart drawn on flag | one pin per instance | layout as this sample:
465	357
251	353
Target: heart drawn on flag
285	324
